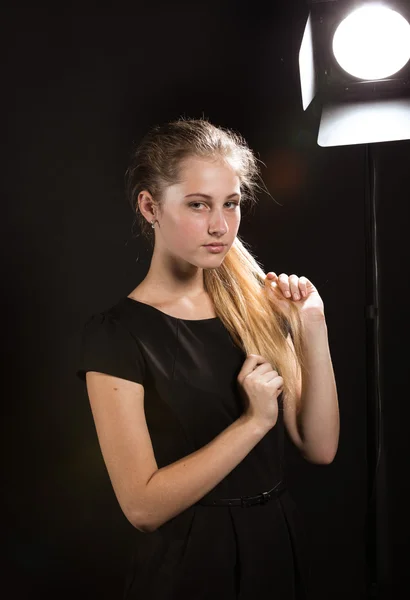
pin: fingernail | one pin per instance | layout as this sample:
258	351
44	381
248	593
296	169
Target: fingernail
287	294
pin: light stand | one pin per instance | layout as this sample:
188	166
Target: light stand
361	112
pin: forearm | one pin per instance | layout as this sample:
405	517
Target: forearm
319	416
175	487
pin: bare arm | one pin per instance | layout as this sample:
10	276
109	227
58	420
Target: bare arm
172	489
149	496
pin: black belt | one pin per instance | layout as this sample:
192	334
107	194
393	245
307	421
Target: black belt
245	501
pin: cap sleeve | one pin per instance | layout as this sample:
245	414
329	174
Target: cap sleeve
108	347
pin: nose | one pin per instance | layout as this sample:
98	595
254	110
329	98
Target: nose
217	222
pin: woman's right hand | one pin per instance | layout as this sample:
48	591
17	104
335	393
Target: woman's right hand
260	387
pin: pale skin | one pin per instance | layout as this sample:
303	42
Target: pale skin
185	225
175	280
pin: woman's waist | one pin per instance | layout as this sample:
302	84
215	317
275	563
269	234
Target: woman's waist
246	500
246	481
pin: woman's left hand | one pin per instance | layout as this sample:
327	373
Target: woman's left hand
301	291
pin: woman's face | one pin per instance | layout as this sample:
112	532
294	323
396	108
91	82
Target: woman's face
189	220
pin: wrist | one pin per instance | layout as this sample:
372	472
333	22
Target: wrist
259	425
315	320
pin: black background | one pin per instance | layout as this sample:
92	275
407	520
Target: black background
81	84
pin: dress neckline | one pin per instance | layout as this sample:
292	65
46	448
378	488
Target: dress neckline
170	316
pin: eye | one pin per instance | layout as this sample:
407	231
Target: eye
230	202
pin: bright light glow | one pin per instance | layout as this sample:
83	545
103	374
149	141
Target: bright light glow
373	42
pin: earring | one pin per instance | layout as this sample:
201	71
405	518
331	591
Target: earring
153	224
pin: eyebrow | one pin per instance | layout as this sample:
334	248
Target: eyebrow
210	197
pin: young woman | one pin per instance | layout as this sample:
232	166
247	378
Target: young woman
194	377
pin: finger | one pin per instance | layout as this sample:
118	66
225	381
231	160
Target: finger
294	286
271	275
303	285
284	285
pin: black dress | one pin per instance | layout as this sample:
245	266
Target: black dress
189	371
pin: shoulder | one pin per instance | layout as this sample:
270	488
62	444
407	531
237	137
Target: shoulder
113	316
110	323
109	346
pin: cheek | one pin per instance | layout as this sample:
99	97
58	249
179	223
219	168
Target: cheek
189	231
195	229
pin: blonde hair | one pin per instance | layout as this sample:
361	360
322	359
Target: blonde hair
254	320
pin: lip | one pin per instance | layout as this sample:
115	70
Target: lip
215	249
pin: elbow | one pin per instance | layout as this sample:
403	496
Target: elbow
147	527
138	519
143	519
331	454
142	522
326	460
320	459
134	507
320	453
144	528
330	458
146	521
